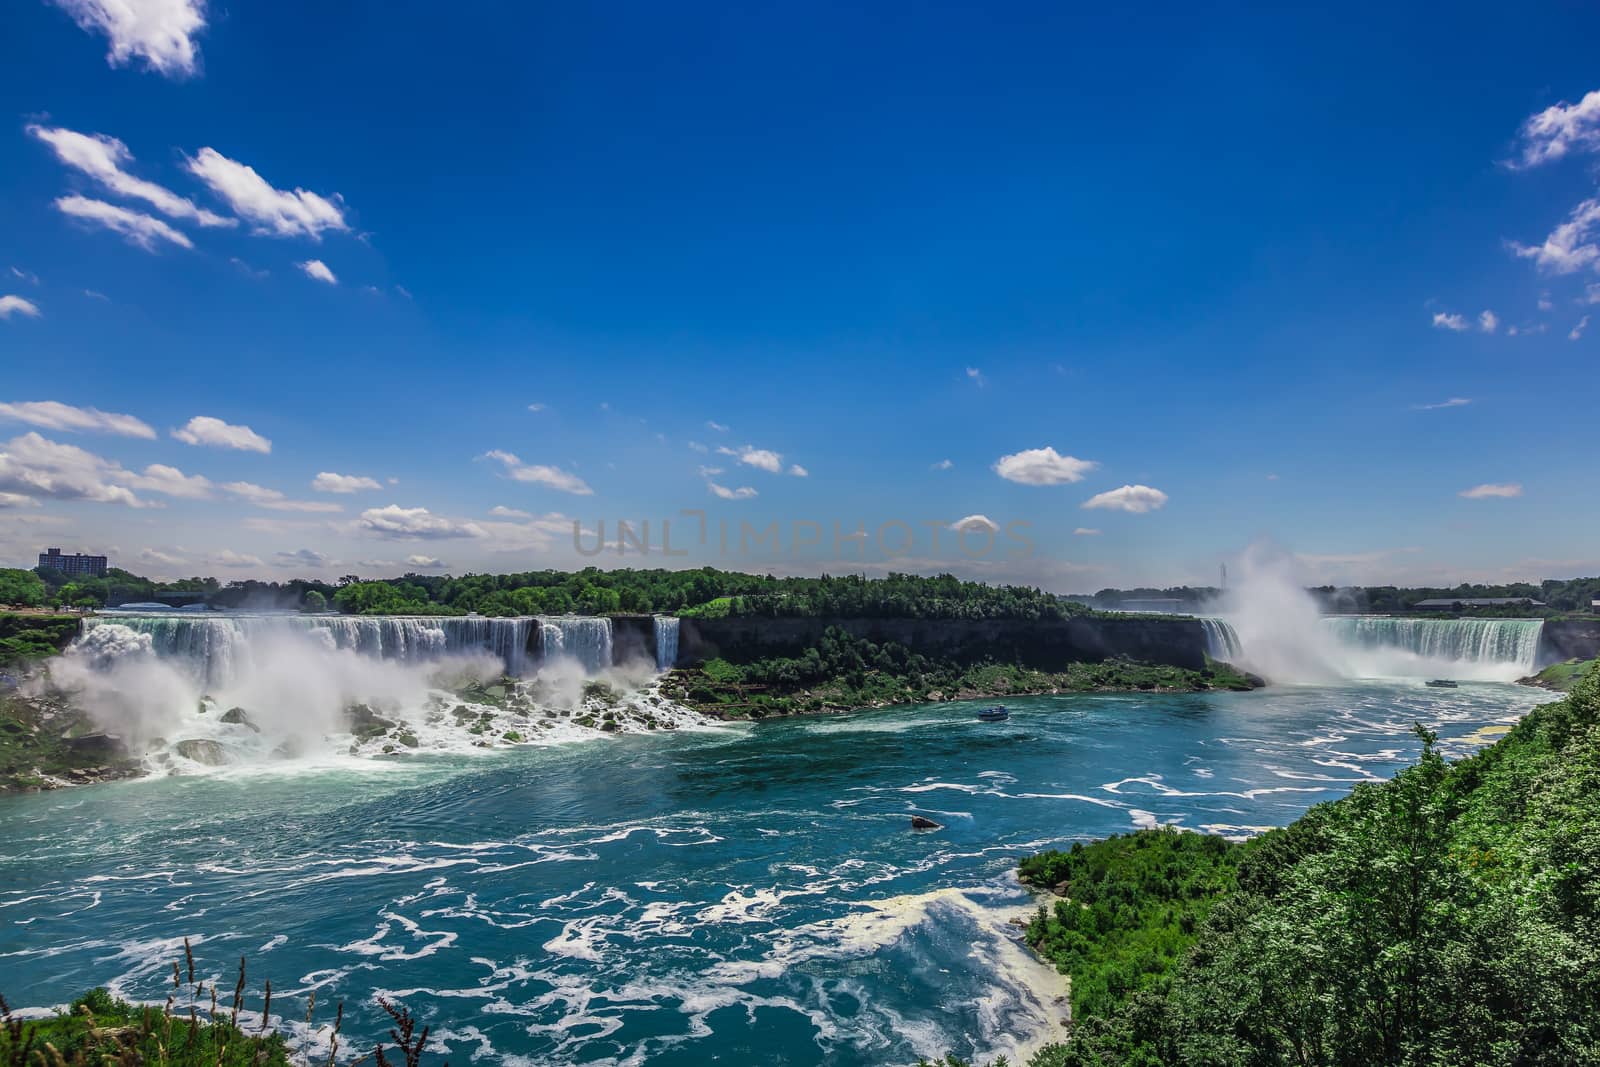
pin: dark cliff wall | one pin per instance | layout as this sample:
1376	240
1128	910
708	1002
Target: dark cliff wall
633	637
1564	639
1047	645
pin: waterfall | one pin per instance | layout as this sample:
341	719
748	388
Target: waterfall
666	642
1222	642
583	639
215	646
1501	642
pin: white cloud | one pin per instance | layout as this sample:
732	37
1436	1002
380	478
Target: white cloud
170	481
274	212
942	465
539	474
717	426
1453	402
95	294
39	468
500	511
696	446
1137	499
1490	490
1488	322
1443	320
27	276
1084	531
229	558
54	415
976	375
317	269
744	492
1558	130
329	482
1570	246
760	458
708	472
1042	466
16	305
798	471
205	430
425	563
159	32
1577	331
17	500
536	407
303	557
400	524
161	559
1545	303
248	269
102	158
975	522
141	230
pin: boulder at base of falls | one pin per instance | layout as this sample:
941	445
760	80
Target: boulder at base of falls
239	717
364	722
95	746
922	822
202	751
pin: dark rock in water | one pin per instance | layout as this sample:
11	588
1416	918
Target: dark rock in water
1255	680
407	738
920	822
364	722
95	746
202	751
239	717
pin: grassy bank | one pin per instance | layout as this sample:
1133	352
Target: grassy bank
1562	677
1450	915
25	636
844	672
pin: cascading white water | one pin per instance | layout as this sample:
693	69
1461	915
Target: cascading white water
1222	642
1496	645
583	639
666	627
214	647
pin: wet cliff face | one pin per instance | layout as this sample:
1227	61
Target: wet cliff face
1046	645
1564	639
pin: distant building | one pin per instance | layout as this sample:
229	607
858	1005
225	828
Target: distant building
75	564
1594	605
1455	603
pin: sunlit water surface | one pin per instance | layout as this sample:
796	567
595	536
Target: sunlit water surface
749	894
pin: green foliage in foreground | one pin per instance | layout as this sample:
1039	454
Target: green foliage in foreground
845	671
1134	904
1448	916
98	1028
28	637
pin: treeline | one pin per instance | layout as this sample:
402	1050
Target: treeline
1558	595
1450	915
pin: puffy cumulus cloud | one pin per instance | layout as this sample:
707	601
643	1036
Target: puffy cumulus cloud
158	33
140	229
274	212
1446	320
1488	321
41	469
975	523
17	500
170	481
539	474
205	430
158	558
798	471
54	415
318	271
1558	131
104	158
11	304
744	492
426	563
1492	491
1042	466
329	482
404	524
760	458
300	557
236	560
1137	499
1571	246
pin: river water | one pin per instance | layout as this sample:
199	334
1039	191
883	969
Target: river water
742	894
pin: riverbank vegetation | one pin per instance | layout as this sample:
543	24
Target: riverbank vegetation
1447	916
1563	677
27	637
844	671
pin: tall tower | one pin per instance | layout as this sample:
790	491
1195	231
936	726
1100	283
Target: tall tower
1224	576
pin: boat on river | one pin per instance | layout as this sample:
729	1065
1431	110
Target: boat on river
1441	683
998	713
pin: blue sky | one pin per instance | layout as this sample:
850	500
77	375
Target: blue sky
1222	275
